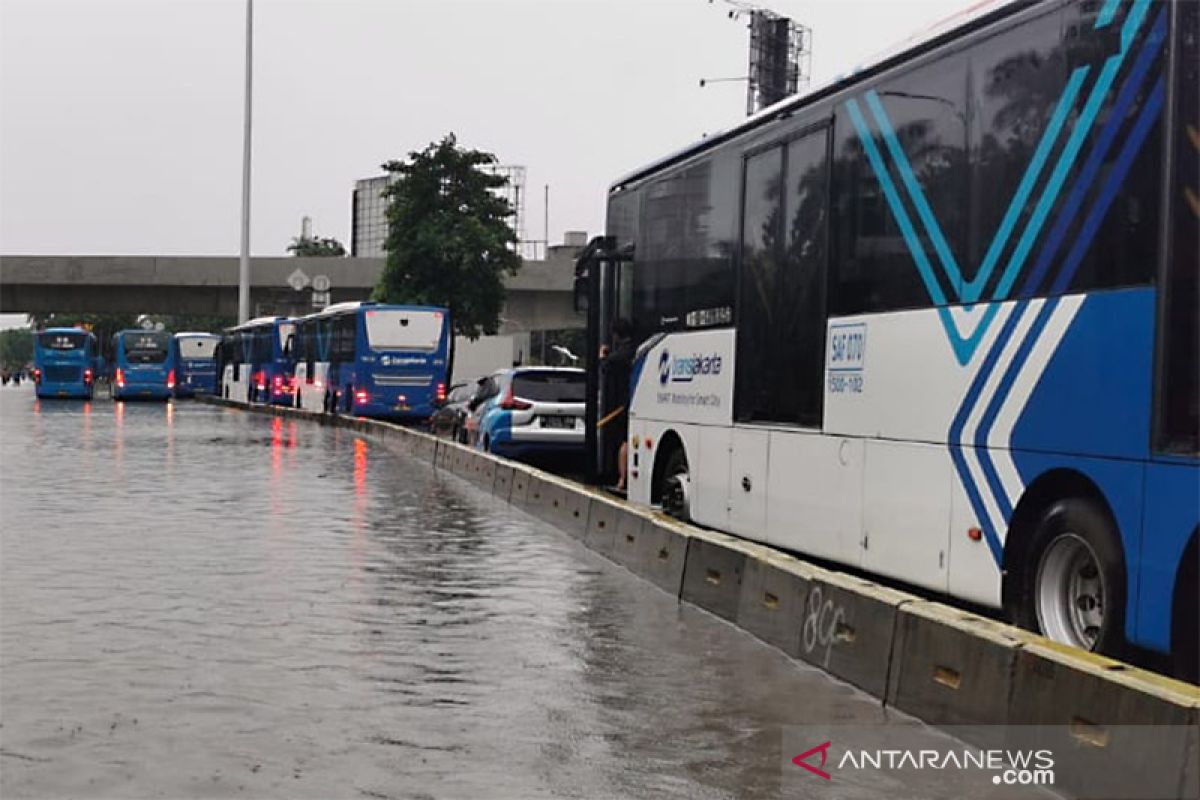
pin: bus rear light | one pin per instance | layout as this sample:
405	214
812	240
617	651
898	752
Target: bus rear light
87	376
120	378
974	534
171	379
441	392
360	397
37	376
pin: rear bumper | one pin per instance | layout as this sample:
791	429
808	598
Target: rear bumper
141	391
65	391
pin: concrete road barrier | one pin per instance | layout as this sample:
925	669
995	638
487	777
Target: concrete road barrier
712	577
848	628
519	493
951	667
502	485
771	605
603	520
652	547
1115	730
571	509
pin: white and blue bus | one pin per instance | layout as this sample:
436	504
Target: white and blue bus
64	362
255	366
193	362
937	321
373	360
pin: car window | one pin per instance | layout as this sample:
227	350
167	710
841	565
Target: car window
550	386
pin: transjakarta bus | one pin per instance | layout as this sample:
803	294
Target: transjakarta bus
256	367
938	320
193	362
373	360
64	363
141	365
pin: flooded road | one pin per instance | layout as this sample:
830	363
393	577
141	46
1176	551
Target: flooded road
201	602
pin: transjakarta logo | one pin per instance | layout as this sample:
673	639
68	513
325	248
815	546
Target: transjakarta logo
684	368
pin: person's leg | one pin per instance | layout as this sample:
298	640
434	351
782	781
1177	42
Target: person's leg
622	465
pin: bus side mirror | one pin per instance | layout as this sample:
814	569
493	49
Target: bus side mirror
581	295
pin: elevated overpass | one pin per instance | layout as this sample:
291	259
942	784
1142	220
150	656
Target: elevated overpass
539	297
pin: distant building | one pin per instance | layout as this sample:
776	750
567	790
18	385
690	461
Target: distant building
368	217
368	210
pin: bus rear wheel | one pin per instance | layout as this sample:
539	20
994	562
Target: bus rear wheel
1073	590
676	485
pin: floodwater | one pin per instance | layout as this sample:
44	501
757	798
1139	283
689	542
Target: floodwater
200	602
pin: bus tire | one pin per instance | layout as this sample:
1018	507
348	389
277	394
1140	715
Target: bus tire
676	485
1073	590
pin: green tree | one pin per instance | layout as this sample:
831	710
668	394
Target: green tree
16	348
323	247
449	241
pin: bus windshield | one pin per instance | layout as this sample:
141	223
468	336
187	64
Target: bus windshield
61	341
397	329
148	347
197	346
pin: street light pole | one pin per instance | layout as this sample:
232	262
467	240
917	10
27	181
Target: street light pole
244	261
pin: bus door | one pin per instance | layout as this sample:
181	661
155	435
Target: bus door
603	290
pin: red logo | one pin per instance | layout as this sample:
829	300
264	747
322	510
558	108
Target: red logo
800	760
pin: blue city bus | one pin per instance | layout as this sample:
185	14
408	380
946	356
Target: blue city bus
141	365
256	366
64	363
373	360
193	362
937	321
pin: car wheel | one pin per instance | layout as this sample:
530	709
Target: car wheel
1074	590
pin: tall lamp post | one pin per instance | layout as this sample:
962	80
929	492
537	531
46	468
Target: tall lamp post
244	260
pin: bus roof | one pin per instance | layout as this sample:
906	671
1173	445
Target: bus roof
974	15
72	329
197	333
370	305
258	322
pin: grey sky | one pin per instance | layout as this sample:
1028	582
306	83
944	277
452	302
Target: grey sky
120	120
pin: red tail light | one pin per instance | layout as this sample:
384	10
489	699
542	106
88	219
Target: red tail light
171	379
260	380
87	376
510	403
278	382
37	376
360	396
441	392
120	378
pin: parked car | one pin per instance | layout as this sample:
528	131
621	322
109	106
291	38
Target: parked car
528	411
448	419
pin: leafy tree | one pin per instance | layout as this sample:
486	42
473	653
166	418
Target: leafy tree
16	348
449	240
313	246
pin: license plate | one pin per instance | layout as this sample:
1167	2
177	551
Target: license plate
402	406
558	422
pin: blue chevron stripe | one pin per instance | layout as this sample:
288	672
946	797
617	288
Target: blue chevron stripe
894	202
1082	127
1128	94
1107	13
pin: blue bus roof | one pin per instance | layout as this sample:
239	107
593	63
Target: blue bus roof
67	330
342	308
